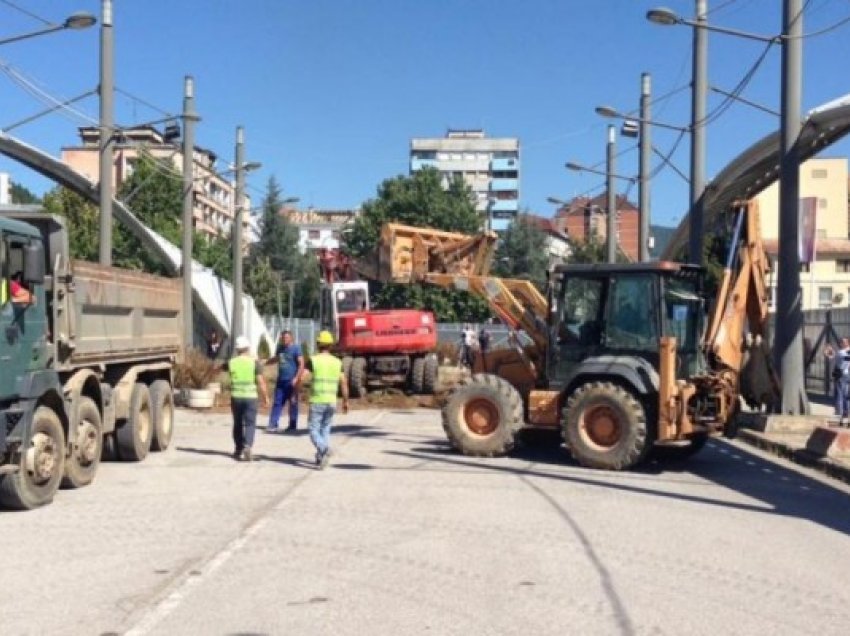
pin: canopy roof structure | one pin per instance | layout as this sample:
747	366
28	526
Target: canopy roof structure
212	295
757	167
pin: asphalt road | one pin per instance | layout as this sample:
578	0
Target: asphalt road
402	536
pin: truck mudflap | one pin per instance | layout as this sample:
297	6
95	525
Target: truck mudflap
13	422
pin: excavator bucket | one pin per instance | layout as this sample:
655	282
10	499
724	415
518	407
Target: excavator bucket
407	254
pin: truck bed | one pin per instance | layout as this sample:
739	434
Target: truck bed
110	314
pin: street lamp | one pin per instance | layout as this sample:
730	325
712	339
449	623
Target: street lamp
788	343
240	168
75	21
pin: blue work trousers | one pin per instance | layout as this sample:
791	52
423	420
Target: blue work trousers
283	392
244	422
842	397
320	420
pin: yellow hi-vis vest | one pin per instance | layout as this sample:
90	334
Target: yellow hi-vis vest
243	373
325	384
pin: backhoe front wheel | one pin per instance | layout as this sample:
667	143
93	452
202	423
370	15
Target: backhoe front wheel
483	415
604	426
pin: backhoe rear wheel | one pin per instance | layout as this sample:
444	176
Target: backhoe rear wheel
604	426
483	415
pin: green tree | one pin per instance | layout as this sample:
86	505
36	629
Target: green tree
421	201
592	250
523	252
21	195
81	220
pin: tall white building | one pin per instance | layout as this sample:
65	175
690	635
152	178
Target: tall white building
489	166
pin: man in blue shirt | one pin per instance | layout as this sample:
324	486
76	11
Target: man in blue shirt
290	369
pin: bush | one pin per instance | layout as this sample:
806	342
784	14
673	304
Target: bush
196	370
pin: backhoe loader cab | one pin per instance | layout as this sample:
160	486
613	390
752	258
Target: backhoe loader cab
608	319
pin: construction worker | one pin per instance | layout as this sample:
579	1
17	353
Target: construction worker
290	369
246	376
328	379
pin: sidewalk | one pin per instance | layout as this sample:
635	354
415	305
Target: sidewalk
813	440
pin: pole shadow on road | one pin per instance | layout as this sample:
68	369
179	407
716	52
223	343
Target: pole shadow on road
785	492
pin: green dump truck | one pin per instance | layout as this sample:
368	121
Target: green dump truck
86	361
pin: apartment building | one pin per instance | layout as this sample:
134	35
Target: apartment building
825	282
214	200
489	166
319	228
584	217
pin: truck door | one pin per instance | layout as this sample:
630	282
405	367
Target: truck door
22	324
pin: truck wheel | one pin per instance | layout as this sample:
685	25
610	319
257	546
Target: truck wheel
678	453
483	415
134	437
430	374
162	413
357	378
417	376
81	465
41	465
346	365
605	427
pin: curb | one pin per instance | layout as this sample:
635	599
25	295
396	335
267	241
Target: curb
826	465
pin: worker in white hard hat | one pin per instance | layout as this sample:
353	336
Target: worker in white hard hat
246	377
327	379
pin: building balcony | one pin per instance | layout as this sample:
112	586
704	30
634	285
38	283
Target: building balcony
418	164
504	163
504	208
504	185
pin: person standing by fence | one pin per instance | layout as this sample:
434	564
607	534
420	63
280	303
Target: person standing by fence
289	371
841	375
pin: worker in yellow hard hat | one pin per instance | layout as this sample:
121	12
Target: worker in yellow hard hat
328	380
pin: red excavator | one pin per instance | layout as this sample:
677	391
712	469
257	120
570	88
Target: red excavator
381	347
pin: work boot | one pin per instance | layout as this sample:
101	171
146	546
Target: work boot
246	454
237	454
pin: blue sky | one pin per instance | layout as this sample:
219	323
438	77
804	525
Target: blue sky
331	91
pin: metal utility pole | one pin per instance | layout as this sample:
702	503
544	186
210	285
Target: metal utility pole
612	195
107	128
644	150
238	195
788	347
699	92
190	117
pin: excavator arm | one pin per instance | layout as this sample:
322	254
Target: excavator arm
410	254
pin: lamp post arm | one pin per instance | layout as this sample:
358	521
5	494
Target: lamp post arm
775	39
17	38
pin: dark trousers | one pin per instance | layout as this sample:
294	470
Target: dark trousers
244	421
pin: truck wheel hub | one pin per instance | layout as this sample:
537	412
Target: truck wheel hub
87	442
481	416
41	457
600	426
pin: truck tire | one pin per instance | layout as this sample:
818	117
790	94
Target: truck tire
430	375
134	437
679	453
162	414
84	458
483	415
604	426
357	378
41	466
417	376
346	365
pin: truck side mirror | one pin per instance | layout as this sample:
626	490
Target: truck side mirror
33	264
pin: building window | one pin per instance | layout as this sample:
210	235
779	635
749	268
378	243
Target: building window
819	173
842	266
824	296
313	235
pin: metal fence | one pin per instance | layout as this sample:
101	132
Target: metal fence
305	330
